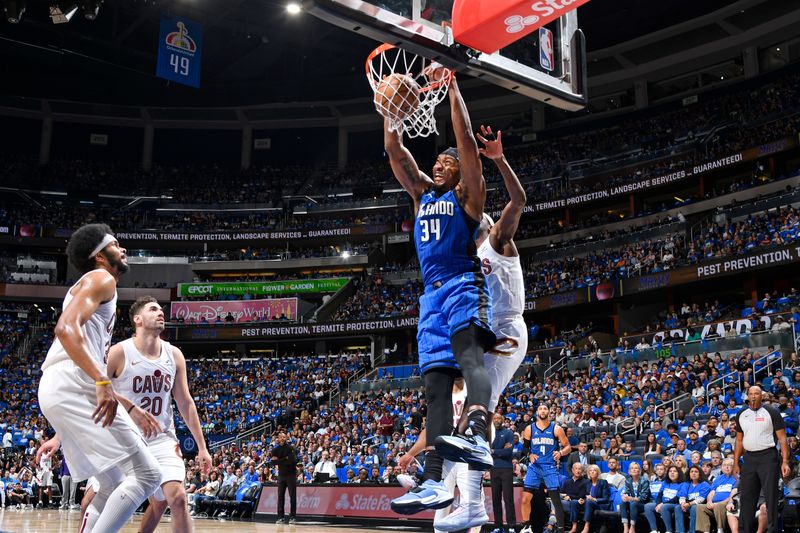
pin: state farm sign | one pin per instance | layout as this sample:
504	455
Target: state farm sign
491	26
355	501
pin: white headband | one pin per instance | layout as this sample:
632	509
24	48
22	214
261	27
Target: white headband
108	239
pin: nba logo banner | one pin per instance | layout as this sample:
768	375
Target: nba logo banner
180	45
546	55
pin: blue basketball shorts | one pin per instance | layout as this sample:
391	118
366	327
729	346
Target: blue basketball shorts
537	474
447	308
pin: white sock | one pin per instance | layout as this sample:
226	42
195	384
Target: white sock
142	478
470	486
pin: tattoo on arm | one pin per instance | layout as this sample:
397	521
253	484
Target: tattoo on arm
408	168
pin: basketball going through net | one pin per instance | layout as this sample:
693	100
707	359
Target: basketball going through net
407	89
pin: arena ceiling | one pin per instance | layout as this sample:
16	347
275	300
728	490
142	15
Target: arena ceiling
255	52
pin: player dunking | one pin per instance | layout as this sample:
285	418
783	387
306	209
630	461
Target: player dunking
540	443
76	395
149	372
455	311
501	266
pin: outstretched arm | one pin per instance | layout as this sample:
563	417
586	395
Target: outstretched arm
505	228
405	169
473	186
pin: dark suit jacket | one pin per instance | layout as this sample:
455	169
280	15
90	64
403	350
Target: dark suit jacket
602	492
576	490
574	457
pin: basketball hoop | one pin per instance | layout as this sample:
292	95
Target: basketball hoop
415	94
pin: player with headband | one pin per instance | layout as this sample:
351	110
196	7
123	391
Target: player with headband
76	394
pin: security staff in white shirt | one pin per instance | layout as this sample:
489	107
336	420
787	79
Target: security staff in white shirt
758	429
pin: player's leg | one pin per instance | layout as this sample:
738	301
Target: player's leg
468	309
152	515
555	500
449	480
432	493
171	493
539	510
525	508
124	488
471	510
470	444
503	360
178	508
89	492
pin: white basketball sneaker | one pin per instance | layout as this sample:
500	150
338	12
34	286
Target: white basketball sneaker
463	517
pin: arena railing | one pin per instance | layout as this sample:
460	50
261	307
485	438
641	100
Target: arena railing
237	439
755	340
730	377
558	366
585	248
672	406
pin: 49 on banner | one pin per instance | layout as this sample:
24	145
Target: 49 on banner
180	44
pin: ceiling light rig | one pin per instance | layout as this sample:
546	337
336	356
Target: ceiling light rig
13	10
62	12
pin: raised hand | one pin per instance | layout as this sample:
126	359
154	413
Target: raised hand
492	146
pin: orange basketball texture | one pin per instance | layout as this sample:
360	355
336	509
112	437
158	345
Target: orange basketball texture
398	96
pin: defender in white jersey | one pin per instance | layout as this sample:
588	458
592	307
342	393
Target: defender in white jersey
77	397
503	273
454	474
149	372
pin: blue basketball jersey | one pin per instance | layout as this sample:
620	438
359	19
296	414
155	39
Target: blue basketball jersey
445	238
544	443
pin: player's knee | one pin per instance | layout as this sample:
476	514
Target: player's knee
177	501
148	473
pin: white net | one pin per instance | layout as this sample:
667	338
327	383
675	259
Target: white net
407	89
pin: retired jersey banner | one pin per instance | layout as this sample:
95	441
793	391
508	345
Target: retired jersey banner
239	311
261	288
180	45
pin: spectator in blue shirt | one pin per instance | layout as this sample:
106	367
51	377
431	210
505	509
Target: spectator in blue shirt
668	501
697	491
694	444
717	499
251	476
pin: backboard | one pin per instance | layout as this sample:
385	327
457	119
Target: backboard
548	65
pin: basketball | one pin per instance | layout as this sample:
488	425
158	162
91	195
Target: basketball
397	95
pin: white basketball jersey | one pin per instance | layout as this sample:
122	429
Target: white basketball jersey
97	331
459	399
505	281
148	383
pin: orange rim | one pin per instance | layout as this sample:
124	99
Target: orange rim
386	47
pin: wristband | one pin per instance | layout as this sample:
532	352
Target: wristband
131	408
102	383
